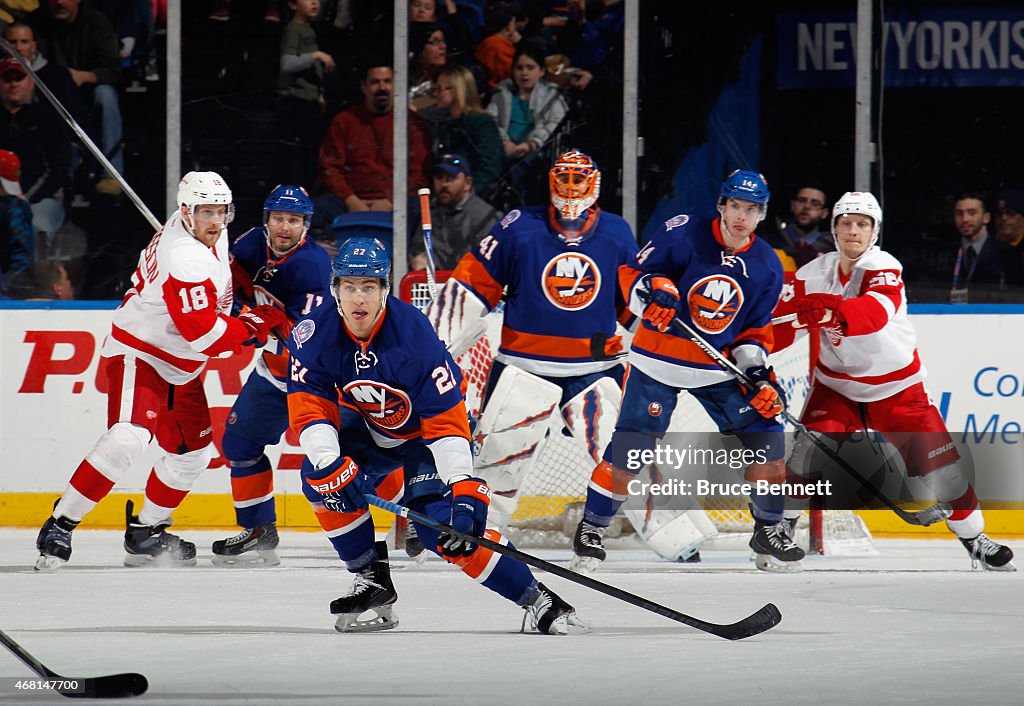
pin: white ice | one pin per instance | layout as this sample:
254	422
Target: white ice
913	625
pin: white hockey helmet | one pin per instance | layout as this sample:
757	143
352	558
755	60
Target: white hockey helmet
198	188
860	202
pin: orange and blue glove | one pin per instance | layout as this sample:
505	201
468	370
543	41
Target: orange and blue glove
767	397
664	301
470	500
340	485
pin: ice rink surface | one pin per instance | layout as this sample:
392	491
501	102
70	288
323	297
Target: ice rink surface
913	625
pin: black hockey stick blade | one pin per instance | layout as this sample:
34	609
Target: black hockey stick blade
764	619
113	686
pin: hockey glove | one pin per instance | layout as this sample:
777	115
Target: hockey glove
260	321
767	397
242	283
340	484
664	301
817	310
470	499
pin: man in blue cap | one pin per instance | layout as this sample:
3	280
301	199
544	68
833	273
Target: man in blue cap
460	217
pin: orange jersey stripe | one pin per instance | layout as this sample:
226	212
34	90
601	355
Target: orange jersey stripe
555	347
760	334
671	347
454	422
628	275
469	271
277	363
305	408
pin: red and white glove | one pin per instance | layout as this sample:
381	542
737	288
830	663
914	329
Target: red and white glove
664	304
260	321
817	310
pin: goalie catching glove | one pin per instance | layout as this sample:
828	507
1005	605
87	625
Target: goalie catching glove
767	397
470	499
664	301
260	321
817	310
341	485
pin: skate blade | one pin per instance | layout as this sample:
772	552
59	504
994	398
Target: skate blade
584	564
569	624
160	562
1007	567
383	618
48	564
249	560
766	562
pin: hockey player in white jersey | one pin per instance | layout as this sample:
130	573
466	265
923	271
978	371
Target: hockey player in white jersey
172	320
869	374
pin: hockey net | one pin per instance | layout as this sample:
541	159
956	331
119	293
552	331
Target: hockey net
554	491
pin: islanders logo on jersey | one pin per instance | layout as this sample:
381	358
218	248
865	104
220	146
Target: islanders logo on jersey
714	302
571	281
380	404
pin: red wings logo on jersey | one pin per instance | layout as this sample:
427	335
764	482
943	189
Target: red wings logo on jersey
571	281
714	302
380	404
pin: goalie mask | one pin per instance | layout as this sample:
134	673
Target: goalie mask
361	257
575	184
204	188
862	203
288	199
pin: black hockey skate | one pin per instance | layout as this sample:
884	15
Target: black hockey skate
774	549
373	591
588	551
413	546
54	543
991	555
253	546
550	615
153	545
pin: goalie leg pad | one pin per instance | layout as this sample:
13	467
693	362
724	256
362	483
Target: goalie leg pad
515	421
672	534
456	314
591	415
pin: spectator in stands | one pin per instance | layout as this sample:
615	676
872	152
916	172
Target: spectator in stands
428	54
806	234
83	39
356	155
460	218
35	132
300	84
17	239
461	125
981	259
496	51
452	22
57	78
52	281
528	108
1010	217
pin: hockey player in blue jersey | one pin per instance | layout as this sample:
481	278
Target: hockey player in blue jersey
273	264
558	353
382	361
730	281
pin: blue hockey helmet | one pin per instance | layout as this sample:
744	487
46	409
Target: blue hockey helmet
745	185
362	257
286	198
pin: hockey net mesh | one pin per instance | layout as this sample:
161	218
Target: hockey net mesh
554	491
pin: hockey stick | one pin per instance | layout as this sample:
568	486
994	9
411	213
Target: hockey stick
928	516
764	619
113	686
428	241
86	140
